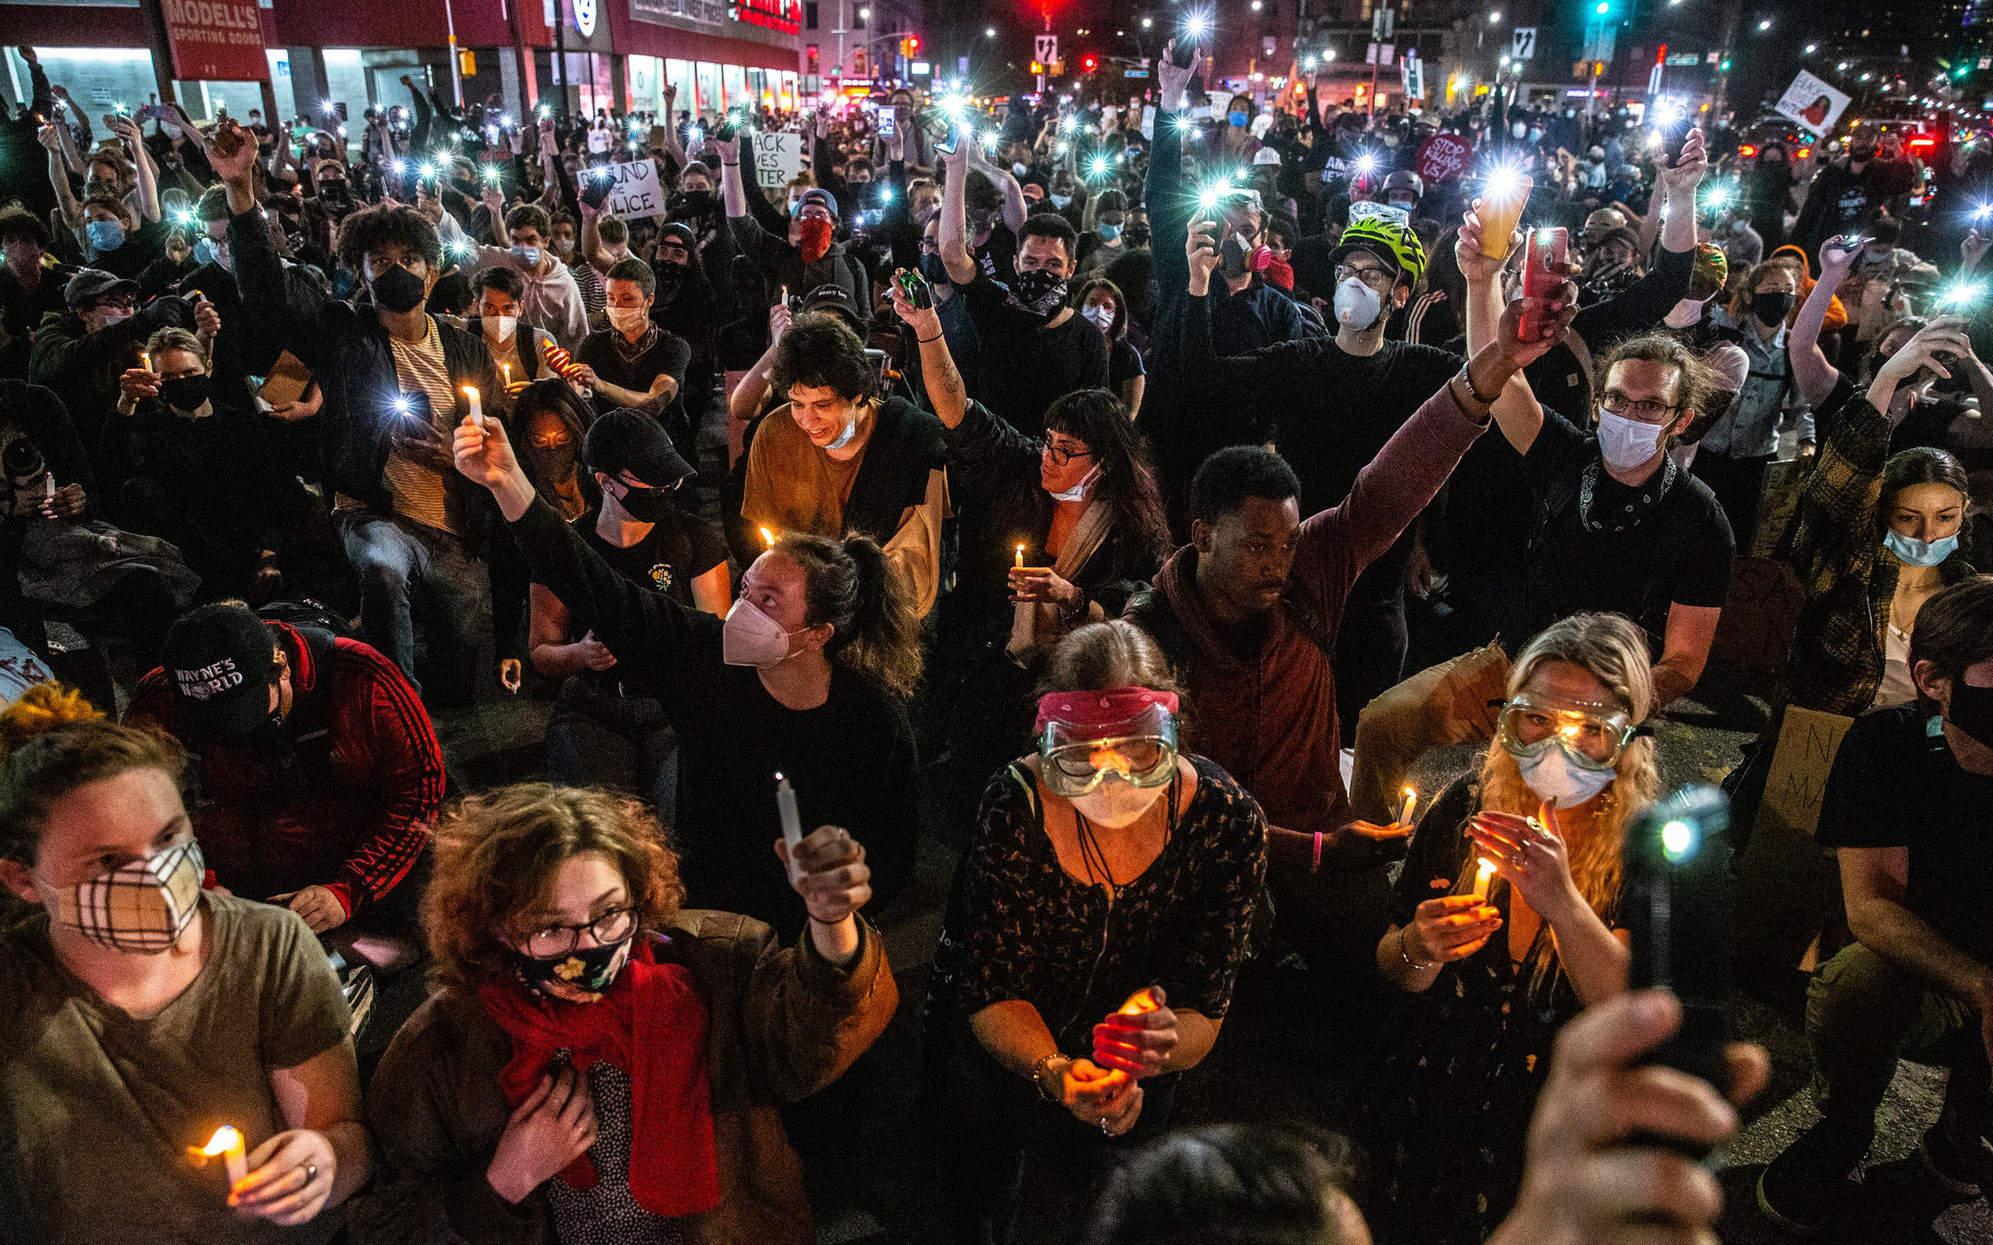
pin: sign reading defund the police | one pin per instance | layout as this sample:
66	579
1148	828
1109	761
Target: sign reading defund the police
634	192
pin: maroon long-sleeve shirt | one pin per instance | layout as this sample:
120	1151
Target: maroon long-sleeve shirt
361	806
1270	719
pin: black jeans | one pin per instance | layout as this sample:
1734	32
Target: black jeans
597	738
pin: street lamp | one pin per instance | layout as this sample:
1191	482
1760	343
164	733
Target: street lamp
1766	24
989	32
1148	22
1495	17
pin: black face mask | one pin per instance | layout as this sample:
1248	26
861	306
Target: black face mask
555	463
645	505
669	277
1039	293
185	393
1770	306
1972	710
691	205
1137	235
398	290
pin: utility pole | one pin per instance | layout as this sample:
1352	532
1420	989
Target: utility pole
560	55
456	60
162	52
1732	18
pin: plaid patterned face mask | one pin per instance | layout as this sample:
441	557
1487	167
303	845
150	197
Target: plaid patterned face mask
143	906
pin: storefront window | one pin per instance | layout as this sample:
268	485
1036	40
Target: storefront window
710	103
733	79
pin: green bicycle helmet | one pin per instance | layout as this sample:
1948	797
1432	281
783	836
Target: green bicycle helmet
1385	234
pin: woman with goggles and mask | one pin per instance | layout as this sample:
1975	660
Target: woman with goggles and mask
1504	929
1107	864
147	1013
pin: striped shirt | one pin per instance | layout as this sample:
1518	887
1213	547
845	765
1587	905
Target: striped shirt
420	493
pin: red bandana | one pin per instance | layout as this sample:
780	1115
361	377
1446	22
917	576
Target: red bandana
1103	708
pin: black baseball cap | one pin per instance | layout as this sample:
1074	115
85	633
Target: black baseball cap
834	299
220	660
90	284
633	441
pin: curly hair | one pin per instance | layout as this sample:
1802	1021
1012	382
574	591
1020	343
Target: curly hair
530	216
388	224
54	741
875	625
821	352
496	855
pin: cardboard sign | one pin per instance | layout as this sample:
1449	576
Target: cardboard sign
1445	157
1807	743
778	157
1787	883
1813	104
216	40
635	193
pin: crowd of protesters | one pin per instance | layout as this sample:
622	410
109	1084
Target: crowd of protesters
1148	484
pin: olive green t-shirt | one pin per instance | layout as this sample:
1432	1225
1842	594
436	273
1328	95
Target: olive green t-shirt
97	1109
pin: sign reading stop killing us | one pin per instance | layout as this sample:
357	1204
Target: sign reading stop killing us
216	40
635	193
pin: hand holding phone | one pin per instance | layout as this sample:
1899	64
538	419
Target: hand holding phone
1545	253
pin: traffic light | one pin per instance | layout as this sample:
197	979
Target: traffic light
910	46
1089	63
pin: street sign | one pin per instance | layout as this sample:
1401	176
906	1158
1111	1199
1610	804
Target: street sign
1047	49
1381	19
1812	103
1382	54
1522	43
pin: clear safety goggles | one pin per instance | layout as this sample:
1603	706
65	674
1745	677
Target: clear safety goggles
1592	736
1141	751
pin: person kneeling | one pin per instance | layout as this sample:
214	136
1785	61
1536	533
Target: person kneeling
601	1064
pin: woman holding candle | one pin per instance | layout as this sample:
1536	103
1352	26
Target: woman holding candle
1107	863
600	1065
1505	904
1083	505
144	1012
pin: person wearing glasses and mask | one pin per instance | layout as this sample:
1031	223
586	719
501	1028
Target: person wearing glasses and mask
1110	862
1501	954
603	733
393	381
601	1063
1618	527
139	1027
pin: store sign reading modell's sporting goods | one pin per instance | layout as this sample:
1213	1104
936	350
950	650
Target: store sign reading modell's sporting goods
216	40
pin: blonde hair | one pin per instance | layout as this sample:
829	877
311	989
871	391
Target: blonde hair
53	741
496	855
1101	655
1614	651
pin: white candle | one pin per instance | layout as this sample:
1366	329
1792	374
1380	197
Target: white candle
1023	618
227	1142
1410	806
768	537
475	414
145	360
48	487
1484	877
507	367
792	821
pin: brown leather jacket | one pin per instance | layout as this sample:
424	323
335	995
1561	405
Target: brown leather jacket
785	1023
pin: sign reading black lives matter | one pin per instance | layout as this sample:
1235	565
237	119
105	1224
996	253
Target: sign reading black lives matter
635	193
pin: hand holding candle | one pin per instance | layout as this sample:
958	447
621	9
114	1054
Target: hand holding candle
473	408
1446	929
1138	1038
827	867
1530	855
227	1143
1409	807
290	1178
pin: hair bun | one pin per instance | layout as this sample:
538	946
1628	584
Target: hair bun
42	708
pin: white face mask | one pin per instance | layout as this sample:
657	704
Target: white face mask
1357	305
1551	776
1685	314
1102	316
1117	804
1627	443
752	638
1078	491
628	319
501	328
1060	201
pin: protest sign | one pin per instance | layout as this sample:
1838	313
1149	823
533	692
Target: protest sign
778	156
634	191
1813	104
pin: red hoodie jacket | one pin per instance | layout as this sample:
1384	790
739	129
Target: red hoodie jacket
1271	720
369	792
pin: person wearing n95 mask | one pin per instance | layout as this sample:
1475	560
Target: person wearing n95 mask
495	319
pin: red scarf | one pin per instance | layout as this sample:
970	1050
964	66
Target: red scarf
814	238
1281	273
652	1024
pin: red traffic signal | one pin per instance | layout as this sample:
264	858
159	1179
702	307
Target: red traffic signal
1089	63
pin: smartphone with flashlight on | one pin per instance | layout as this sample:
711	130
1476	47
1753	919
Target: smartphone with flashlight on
1543	258
1189	38
1675	901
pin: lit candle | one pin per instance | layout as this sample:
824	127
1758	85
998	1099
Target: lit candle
768	537
1484	876
792	820
227	1142
48	487
507	369
145	360
1023	618
476	412
1410	806
1140	1002
1020	557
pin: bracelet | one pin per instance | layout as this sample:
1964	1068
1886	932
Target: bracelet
1038	1075
1406	956
1467	377
924	340
1315	865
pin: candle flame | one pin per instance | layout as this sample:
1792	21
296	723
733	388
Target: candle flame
226	1138
1410	792
768	536
470	391
1139	1003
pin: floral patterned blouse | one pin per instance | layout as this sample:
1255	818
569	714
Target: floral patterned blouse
1021	927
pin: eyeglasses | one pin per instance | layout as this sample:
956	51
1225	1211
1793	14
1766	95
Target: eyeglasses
1645	410
1060	455
611	927
1367	275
